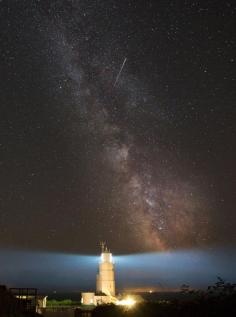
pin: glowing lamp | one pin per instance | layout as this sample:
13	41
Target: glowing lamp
126	302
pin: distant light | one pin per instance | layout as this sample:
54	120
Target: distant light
126	302
150	291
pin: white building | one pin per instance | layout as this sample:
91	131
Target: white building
105	286
106	274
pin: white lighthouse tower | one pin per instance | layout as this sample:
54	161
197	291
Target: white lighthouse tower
106	275
105	288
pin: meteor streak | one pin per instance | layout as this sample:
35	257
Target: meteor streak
118	76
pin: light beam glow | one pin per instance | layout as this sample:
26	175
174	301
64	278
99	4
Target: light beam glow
129	301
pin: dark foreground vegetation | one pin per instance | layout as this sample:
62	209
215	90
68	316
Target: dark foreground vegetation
64	302
218	300
10	306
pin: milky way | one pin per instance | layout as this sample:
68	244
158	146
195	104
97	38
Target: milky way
161	210
139	156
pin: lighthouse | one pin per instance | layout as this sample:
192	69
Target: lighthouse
106	275
105	283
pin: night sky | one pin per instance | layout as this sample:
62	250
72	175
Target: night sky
145	162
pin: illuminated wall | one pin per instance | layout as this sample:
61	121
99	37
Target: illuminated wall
106	275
